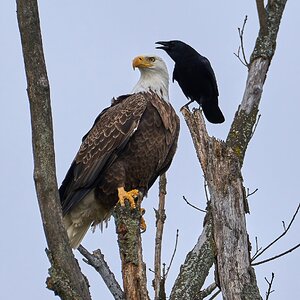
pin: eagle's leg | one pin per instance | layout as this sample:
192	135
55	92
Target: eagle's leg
188	103
122	194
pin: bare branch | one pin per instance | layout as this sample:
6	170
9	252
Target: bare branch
96	260
65	279
262	16
252	193
278	238
276	256
241	47
215	295
283	225
173	255
160	220
188	203
245	118
257	249
268	293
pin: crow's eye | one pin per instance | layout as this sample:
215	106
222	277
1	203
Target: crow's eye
152	59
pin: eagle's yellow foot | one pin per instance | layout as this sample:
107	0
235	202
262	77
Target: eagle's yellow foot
122	194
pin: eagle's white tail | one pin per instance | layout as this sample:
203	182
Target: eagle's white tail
86	213
76	232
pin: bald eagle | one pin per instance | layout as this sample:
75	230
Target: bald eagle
131	143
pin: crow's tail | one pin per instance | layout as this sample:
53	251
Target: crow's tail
212	112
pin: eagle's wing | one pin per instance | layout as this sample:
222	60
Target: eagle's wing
171	124
100	147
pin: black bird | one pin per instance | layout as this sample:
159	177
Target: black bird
196	78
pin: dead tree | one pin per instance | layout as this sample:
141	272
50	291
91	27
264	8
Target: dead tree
225	229
224	240
66	279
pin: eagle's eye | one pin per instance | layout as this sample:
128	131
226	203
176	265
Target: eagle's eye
152	59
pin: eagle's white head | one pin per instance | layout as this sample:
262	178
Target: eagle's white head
154	75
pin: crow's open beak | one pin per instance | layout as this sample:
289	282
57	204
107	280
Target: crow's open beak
164	45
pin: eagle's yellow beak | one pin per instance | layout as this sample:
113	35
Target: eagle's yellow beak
141	62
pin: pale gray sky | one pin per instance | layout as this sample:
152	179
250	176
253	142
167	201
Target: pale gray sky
89	46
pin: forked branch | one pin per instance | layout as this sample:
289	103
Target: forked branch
96	260
269	291
241	48
259	253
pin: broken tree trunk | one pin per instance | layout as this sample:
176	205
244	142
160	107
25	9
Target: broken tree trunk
221	164
127	222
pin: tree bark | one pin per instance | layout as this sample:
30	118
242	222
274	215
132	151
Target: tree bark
221	163
242	126
66	279
96	260
159	282
127	222
221	170
196	267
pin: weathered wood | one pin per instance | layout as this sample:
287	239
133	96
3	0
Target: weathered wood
66	279
225	183
222	173
96	260
159	290
196	267
241	128
221	163
127	222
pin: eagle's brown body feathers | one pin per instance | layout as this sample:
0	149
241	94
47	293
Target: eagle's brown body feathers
130	145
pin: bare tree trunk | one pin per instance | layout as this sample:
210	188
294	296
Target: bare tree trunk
222	172
66	279
221	163
130	246
196	267
159	281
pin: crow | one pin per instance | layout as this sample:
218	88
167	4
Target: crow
196	78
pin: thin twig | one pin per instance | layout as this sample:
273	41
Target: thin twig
188	203
160	220
96	260
257	249
241	47
252	193
173	255
283	225
215	295
276	256
278	238
255	126
268	293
